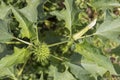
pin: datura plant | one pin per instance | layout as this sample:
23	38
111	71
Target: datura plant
59	39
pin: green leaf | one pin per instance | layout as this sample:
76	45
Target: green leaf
25	25
117	68
30	11
79	72
69	15
104	4
5	50
42	14
2	47
58	75
116	50
19	56
93	55
93	68
3	10
41	77
110	29
7	72
4	32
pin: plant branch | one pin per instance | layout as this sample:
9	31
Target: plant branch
12	42
54	44
23	41
86	36
37	33
56	57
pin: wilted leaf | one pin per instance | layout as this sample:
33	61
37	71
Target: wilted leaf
30	11
93	55
19	56
69	15
24	24
4	32
60	76
83	31
110	29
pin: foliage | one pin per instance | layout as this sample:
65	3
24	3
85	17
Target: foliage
59	39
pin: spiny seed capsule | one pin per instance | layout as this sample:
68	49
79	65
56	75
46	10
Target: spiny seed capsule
42	52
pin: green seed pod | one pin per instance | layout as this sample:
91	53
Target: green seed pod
42	52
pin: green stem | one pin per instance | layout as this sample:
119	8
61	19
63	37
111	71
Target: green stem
86	36
23	41
51	45
21	70
12	42
37	33
56	57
